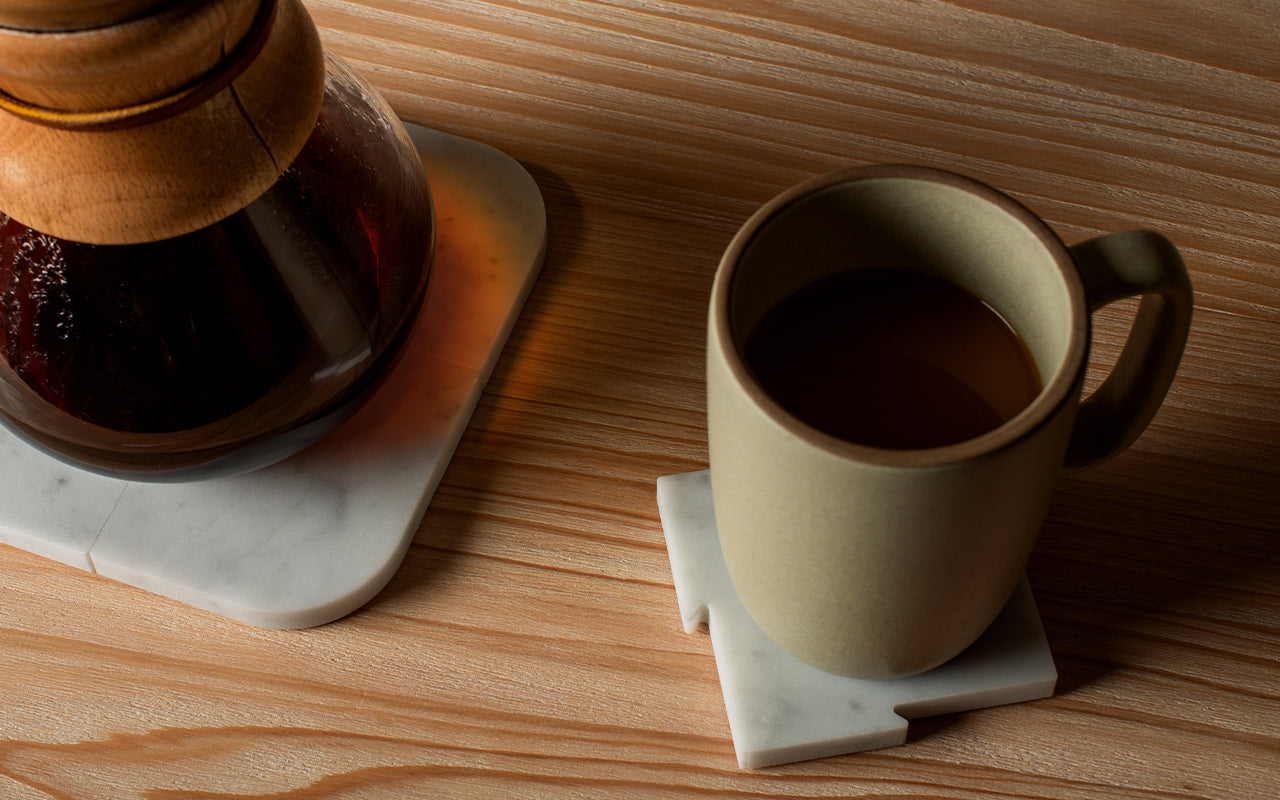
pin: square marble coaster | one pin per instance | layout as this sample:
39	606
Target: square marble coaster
314	537
782	710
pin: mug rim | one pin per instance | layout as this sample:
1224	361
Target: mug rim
1055	393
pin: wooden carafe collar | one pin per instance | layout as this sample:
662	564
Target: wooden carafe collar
139	130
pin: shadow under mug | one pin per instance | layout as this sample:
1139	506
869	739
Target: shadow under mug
881	563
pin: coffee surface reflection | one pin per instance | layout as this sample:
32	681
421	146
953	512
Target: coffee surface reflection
892	358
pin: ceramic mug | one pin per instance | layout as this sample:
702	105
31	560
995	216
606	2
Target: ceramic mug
883	563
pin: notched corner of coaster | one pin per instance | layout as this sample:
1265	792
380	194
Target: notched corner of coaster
780	710
687	520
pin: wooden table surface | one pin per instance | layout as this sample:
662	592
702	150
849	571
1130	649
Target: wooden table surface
530	644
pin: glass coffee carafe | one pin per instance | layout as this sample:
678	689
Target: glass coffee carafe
214	238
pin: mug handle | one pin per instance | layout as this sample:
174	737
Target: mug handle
1114	267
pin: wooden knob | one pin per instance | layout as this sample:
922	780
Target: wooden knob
155	126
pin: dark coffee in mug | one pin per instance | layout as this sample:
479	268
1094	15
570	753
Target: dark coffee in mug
892	358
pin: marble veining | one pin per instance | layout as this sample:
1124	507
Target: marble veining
781	710
314	537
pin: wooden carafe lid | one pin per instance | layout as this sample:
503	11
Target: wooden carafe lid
51	15
117	128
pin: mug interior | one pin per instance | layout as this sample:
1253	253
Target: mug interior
925	220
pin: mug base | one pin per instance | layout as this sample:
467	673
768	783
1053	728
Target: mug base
782	710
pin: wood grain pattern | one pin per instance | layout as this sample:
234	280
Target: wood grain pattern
530	645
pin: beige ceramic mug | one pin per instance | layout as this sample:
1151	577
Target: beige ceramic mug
882	563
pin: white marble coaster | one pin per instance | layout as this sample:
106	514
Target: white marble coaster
313	538
782	710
